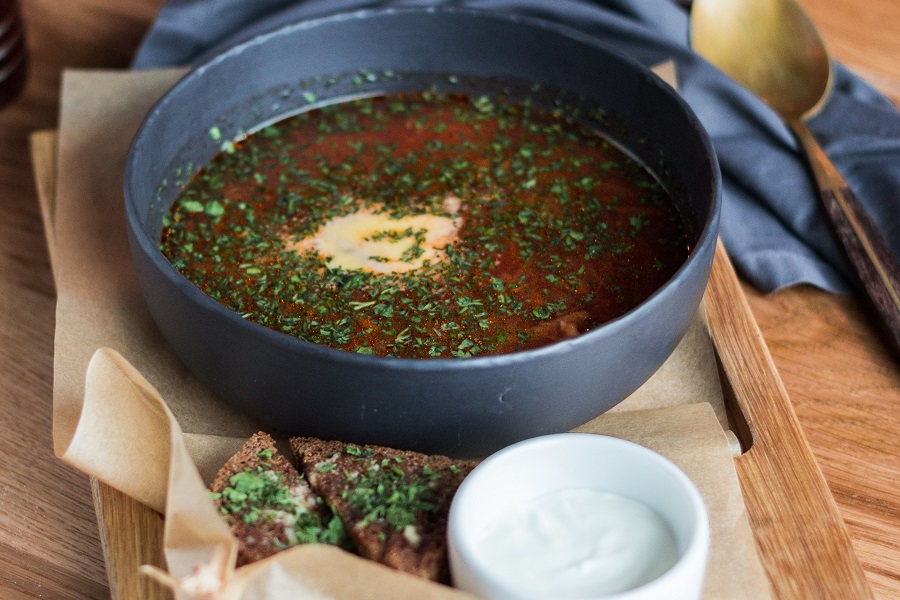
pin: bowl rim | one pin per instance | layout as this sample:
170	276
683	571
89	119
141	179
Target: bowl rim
150	247
463	545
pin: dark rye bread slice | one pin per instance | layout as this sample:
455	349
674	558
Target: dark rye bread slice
394	503
269	505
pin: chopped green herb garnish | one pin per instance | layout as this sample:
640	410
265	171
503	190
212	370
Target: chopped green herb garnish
550	217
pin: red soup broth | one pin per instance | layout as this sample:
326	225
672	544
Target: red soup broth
426	225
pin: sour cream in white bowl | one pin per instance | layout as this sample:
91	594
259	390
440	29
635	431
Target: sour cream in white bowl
578	515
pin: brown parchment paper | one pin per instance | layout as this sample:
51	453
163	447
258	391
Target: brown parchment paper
110	419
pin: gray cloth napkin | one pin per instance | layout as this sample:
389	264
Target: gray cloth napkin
772	222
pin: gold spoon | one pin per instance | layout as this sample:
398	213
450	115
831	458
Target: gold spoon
772	48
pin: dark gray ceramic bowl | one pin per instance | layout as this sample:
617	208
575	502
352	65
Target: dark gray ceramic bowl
454	406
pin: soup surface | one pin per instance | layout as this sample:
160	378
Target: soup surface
426	225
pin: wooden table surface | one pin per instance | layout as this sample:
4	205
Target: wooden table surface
844	384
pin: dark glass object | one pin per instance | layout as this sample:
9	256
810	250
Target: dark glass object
13	53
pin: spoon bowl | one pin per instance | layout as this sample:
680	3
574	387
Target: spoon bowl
772	48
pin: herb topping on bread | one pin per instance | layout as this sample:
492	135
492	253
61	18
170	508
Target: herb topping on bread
393	503
269	505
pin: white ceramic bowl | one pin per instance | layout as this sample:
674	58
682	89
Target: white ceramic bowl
542	465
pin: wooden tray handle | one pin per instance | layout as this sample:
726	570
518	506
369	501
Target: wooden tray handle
802	540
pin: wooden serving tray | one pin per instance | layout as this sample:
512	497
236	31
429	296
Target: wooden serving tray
801	539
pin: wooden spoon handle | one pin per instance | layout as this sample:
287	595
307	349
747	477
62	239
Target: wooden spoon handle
865	247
